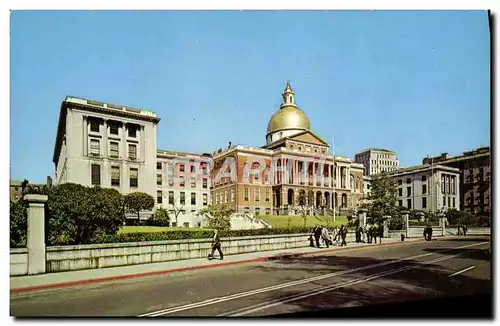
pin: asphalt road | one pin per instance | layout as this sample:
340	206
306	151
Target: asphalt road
358	277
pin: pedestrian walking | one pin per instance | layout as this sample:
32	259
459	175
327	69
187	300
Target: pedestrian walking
317	235
343	235
216	246
374	233
325	237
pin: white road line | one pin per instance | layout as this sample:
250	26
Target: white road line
462	271
271	304
284	285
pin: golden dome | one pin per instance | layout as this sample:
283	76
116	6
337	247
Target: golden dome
288	117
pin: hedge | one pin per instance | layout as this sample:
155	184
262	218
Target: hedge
195	234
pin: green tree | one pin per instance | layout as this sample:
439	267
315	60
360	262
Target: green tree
383	194
77	214
159	218
136	202
219	216
18	223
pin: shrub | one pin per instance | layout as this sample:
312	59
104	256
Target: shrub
195	234
159	218
18	223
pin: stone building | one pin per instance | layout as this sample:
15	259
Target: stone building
475	178
183	185
106	145
269	179
427	187
376	160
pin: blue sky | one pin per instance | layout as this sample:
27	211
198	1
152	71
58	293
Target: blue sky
416	82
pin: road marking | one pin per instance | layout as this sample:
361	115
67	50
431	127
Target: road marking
462	271
274	303
289	284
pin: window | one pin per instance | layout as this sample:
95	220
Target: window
94	125
257	211
132	151
225	197
424	202
182	183
205	199
183	198
424	178
113	128
408	180
192	169
132	131
158	165
205	183
400	192
95	147
449	201
159	179
400	202
232	194
408	203
181	168
444	201
113	149
453	179
408	191
171	197
159	197
257	194
193	198
134	174
454	202
424	189
246	193
268	194
442	185
400	182
115	176
96	174
193	184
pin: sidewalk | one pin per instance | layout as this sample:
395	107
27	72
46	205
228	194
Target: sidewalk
20	284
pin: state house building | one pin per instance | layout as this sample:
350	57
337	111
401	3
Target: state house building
295	160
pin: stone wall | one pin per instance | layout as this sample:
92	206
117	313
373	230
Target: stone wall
18	261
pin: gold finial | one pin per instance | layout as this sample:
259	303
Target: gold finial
288	88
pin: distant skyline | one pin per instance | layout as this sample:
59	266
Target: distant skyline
414	82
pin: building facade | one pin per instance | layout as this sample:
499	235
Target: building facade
475	178
376	160
183	186
106	145
427	187
273	179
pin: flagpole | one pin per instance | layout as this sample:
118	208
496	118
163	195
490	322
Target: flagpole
333	178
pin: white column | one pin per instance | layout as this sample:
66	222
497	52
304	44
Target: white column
36	233
105	138
85	135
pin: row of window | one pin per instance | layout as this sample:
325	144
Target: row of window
182	167
408	191
182	183
113	127
451	202
114	149
247	210
115	176
182	199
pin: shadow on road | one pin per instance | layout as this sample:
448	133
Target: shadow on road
423	282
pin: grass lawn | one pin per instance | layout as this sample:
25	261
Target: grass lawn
311	221
146	229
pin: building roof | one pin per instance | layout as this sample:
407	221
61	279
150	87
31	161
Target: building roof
421	168
377	150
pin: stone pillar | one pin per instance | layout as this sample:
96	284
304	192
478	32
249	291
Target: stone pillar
406	217
36	233
442	223
105	144
85	135
362	217
386	226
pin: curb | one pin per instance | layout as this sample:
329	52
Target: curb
206	266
